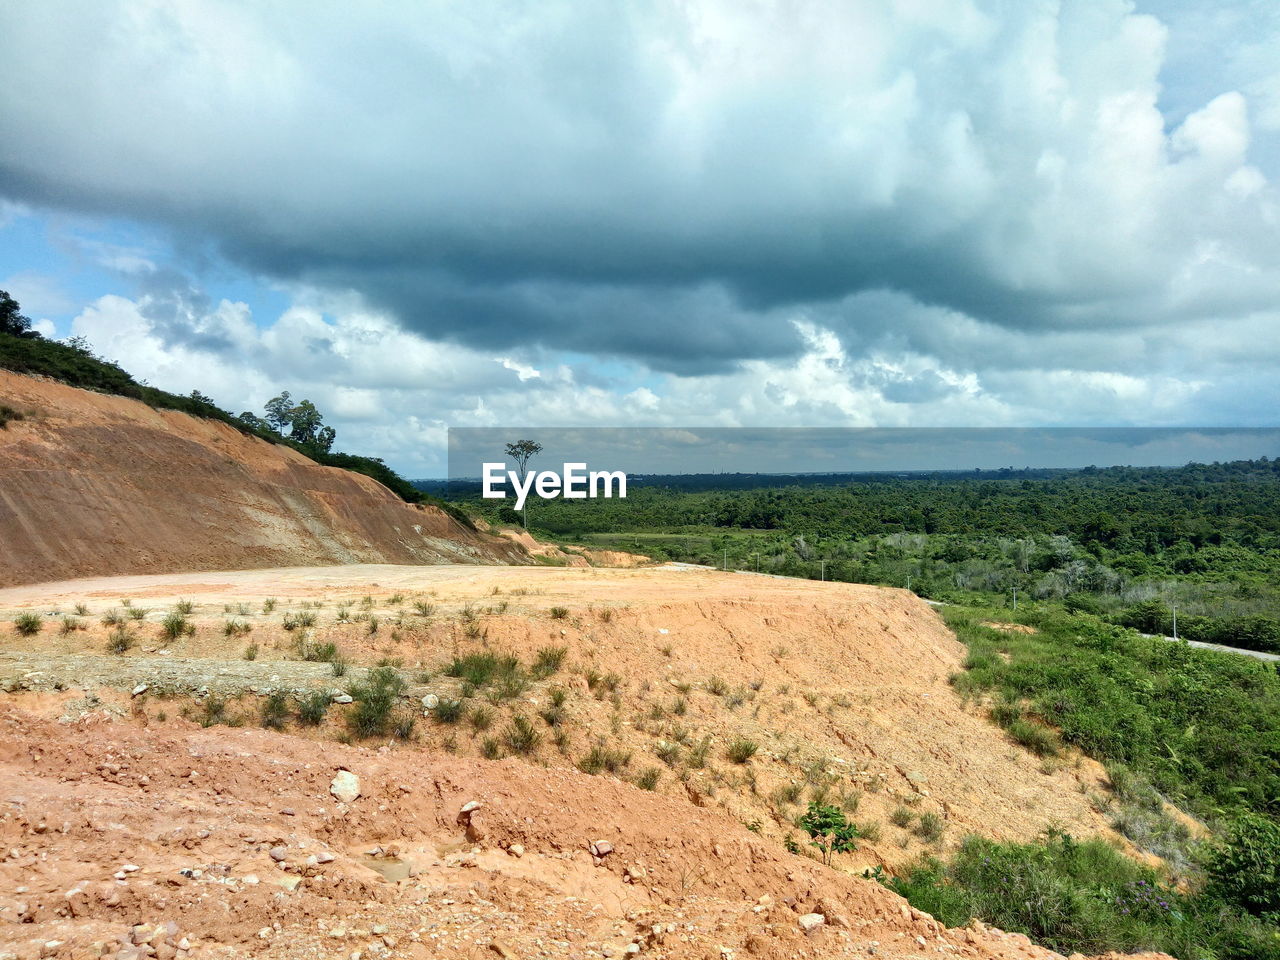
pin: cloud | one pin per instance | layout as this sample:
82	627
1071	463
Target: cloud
392	392
676	185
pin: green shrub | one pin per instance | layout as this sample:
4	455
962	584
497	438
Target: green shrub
275	711
930	827
175	625
235	628
374	697
521	736
120	641
548	661
902	817
27	624
313	652
480	718
559	613
648	778
8	415
313	708
251	652
70	625
113	618
601	759
448	711
829	830
1245	868
741	750
480	669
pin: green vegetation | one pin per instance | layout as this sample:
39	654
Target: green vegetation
375	698
27	624
829	830
1082	897
313	708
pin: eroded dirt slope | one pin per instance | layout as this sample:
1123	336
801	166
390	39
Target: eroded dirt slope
175	841
841	689
93	484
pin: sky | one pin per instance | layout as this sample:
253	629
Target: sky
567	214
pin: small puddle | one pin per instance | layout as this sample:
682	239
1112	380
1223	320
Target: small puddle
389	868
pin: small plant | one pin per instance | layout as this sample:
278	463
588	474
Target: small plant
601	758
829	830
424	608
553	715
113	618
930	827
290	622
69	625
306	619
558	613
902	817
275	711
448	711
175	625
404	726
339	666
269	605
138	614
374	698
788	793
717	687
742	750
490	749
184	607
648	778
603	683
697	758
395	599
120	641
235	628
668	752
313	708
81	610
521	736
480	718
312	652
548	661
213	711
479	669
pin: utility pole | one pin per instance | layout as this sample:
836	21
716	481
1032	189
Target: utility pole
725	567
823	574
908	583
1175	620
1015	598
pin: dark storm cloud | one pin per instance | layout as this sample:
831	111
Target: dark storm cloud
671	183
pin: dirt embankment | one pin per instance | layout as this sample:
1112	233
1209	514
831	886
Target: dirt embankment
92	484
174	841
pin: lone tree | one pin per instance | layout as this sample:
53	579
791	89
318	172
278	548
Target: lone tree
12	321
829	830
521	451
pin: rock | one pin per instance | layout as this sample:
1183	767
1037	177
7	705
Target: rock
601	848
279	854
139	690
324	856
810	923
345	787
516	850
468	808
502	950
342	698
430	702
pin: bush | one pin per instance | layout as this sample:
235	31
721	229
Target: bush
930	828
275	711
70	625
648	778
548	661
521	736
1245	869
829	830
175	625
318	652
480	718
742	750
480	669
374	697
120	641
251	652
601	758
448	711
313	708
27	624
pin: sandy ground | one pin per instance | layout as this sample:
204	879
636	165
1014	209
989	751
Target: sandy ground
843	689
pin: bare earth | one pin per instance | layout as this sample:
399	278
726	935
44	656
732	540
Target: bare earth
843	689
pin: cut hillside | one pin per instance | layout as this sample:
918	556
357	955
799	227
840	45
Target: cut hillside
749	694
173	841
94	484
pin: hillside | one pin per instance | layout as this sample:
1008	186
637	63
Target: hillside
93	484
843	690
